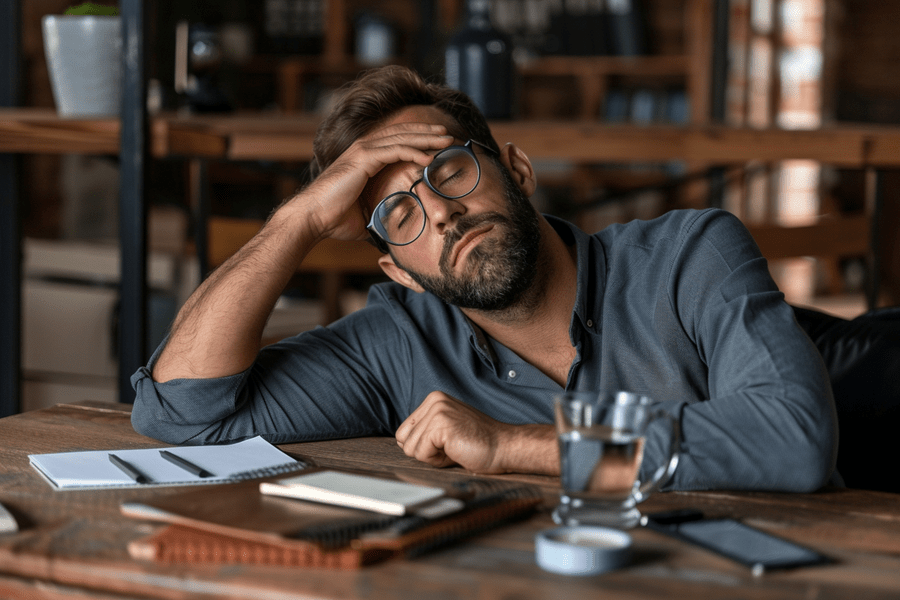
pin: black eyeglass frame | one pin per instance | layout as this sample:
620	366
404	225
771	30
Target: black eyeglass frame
467	147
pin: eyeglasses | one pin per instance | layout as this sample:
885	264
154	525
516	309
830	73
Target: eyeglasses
454	172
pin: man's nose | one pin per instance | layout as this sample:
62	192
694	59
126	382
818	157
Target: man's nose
441	212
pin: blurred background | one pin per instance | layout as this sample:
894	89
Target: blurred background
628	65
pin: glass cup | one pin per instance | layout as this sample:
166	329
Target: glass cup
601	448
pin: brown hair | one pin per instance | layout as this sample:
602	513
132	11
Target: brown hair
378	94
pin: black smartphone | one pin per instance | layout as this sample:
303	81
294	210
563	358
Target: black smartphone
759	550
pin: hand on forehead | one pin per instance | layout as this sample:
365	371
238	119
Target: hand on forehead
421	114
405	141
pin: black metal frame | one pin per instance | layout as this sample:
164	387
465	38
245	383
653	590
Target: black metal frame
10	222
133	156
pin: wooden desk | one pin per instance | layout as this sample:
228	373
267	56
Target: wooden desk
72	544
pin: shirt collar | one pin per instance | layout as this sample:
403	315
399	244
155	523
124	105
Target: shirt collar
591	265
591	259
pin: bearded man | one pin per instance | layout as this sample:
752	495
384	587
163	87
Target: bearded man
492	310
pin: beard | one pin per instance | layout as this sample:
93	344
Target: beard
499	269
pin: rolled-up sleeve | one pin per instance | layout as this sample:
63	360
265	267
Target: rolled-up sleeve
331	382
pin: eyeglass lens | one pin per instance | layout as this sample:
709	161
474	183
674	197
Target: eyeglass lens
402	218
453	173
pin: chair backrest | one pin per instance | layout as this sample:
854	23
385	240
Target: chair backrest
863	361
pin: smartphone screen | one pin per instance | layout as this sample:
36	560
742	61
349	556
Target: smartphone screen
742	543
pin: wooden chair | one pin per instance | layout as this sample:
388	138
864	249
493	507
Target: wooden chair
331	259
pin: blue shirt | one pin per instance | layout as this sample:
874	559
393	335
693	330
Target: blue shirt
681	308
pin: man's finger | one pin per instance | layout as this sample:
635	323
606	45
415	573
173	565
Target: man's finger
417	426
419	414
431	451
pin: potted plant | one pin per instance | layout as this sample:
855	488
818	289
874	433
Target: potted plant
83	47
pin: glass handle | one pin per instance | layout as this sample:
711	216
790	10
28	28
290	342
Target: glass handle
667	469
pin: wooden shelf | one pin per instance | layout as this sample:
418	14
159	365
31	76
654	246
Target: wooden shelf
289	137
585	141
42	131
602	66
591	73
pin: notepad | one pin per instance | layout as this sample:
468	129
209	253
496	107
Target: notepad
227	463
356	491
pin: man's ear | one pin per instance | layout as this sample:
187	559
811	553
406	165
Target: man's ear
519	167
390	268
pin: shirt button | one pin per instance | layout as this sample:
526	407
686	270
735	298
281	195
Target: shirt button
512	374
590	323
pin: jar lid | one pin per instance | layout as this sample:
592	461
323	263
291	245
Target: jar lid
582	550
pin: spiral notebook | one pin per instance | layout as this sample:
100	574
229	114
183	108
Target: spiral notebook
226	463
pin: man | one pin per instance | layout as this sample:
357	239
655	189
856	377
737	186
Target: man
492	310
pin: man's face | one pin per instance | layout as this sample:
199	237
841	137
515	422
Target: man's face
499	267
479	251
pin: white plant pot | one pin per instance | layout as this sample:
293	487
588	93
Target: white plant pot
84	57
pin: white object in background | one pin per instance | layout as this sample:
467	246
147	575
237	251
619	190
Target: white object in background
84	58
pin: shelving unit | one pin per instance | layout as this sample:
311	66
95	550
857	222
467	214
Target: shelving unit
692	66
132	149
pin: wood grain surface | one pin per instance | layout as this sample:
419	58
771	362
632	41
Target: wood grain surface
74	544
273	136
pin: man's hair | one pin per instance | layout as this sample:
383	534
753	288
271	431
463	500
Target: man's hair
378	94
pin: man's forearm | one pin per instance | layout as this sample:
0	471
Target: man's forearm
529	449
219	330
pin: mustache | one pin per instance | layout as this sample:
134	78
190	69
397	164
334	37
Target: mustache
465	224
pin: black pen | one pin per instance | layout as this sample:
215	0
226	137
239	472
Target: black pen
185	464
128	469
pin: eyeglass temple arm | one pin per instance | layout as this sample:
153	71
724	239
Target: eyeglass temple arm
484	146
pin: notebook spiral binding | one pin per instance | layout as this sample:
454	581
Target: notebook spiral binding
296	465
481	514
341	533
486	494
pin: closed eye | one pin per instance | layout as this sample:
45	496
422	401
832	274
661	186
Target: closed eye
451	178
405	218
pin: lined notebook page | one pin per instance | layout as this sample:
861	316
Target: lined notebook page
250	458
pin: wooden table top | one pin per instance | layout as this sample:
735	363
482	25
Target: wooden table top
73	544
